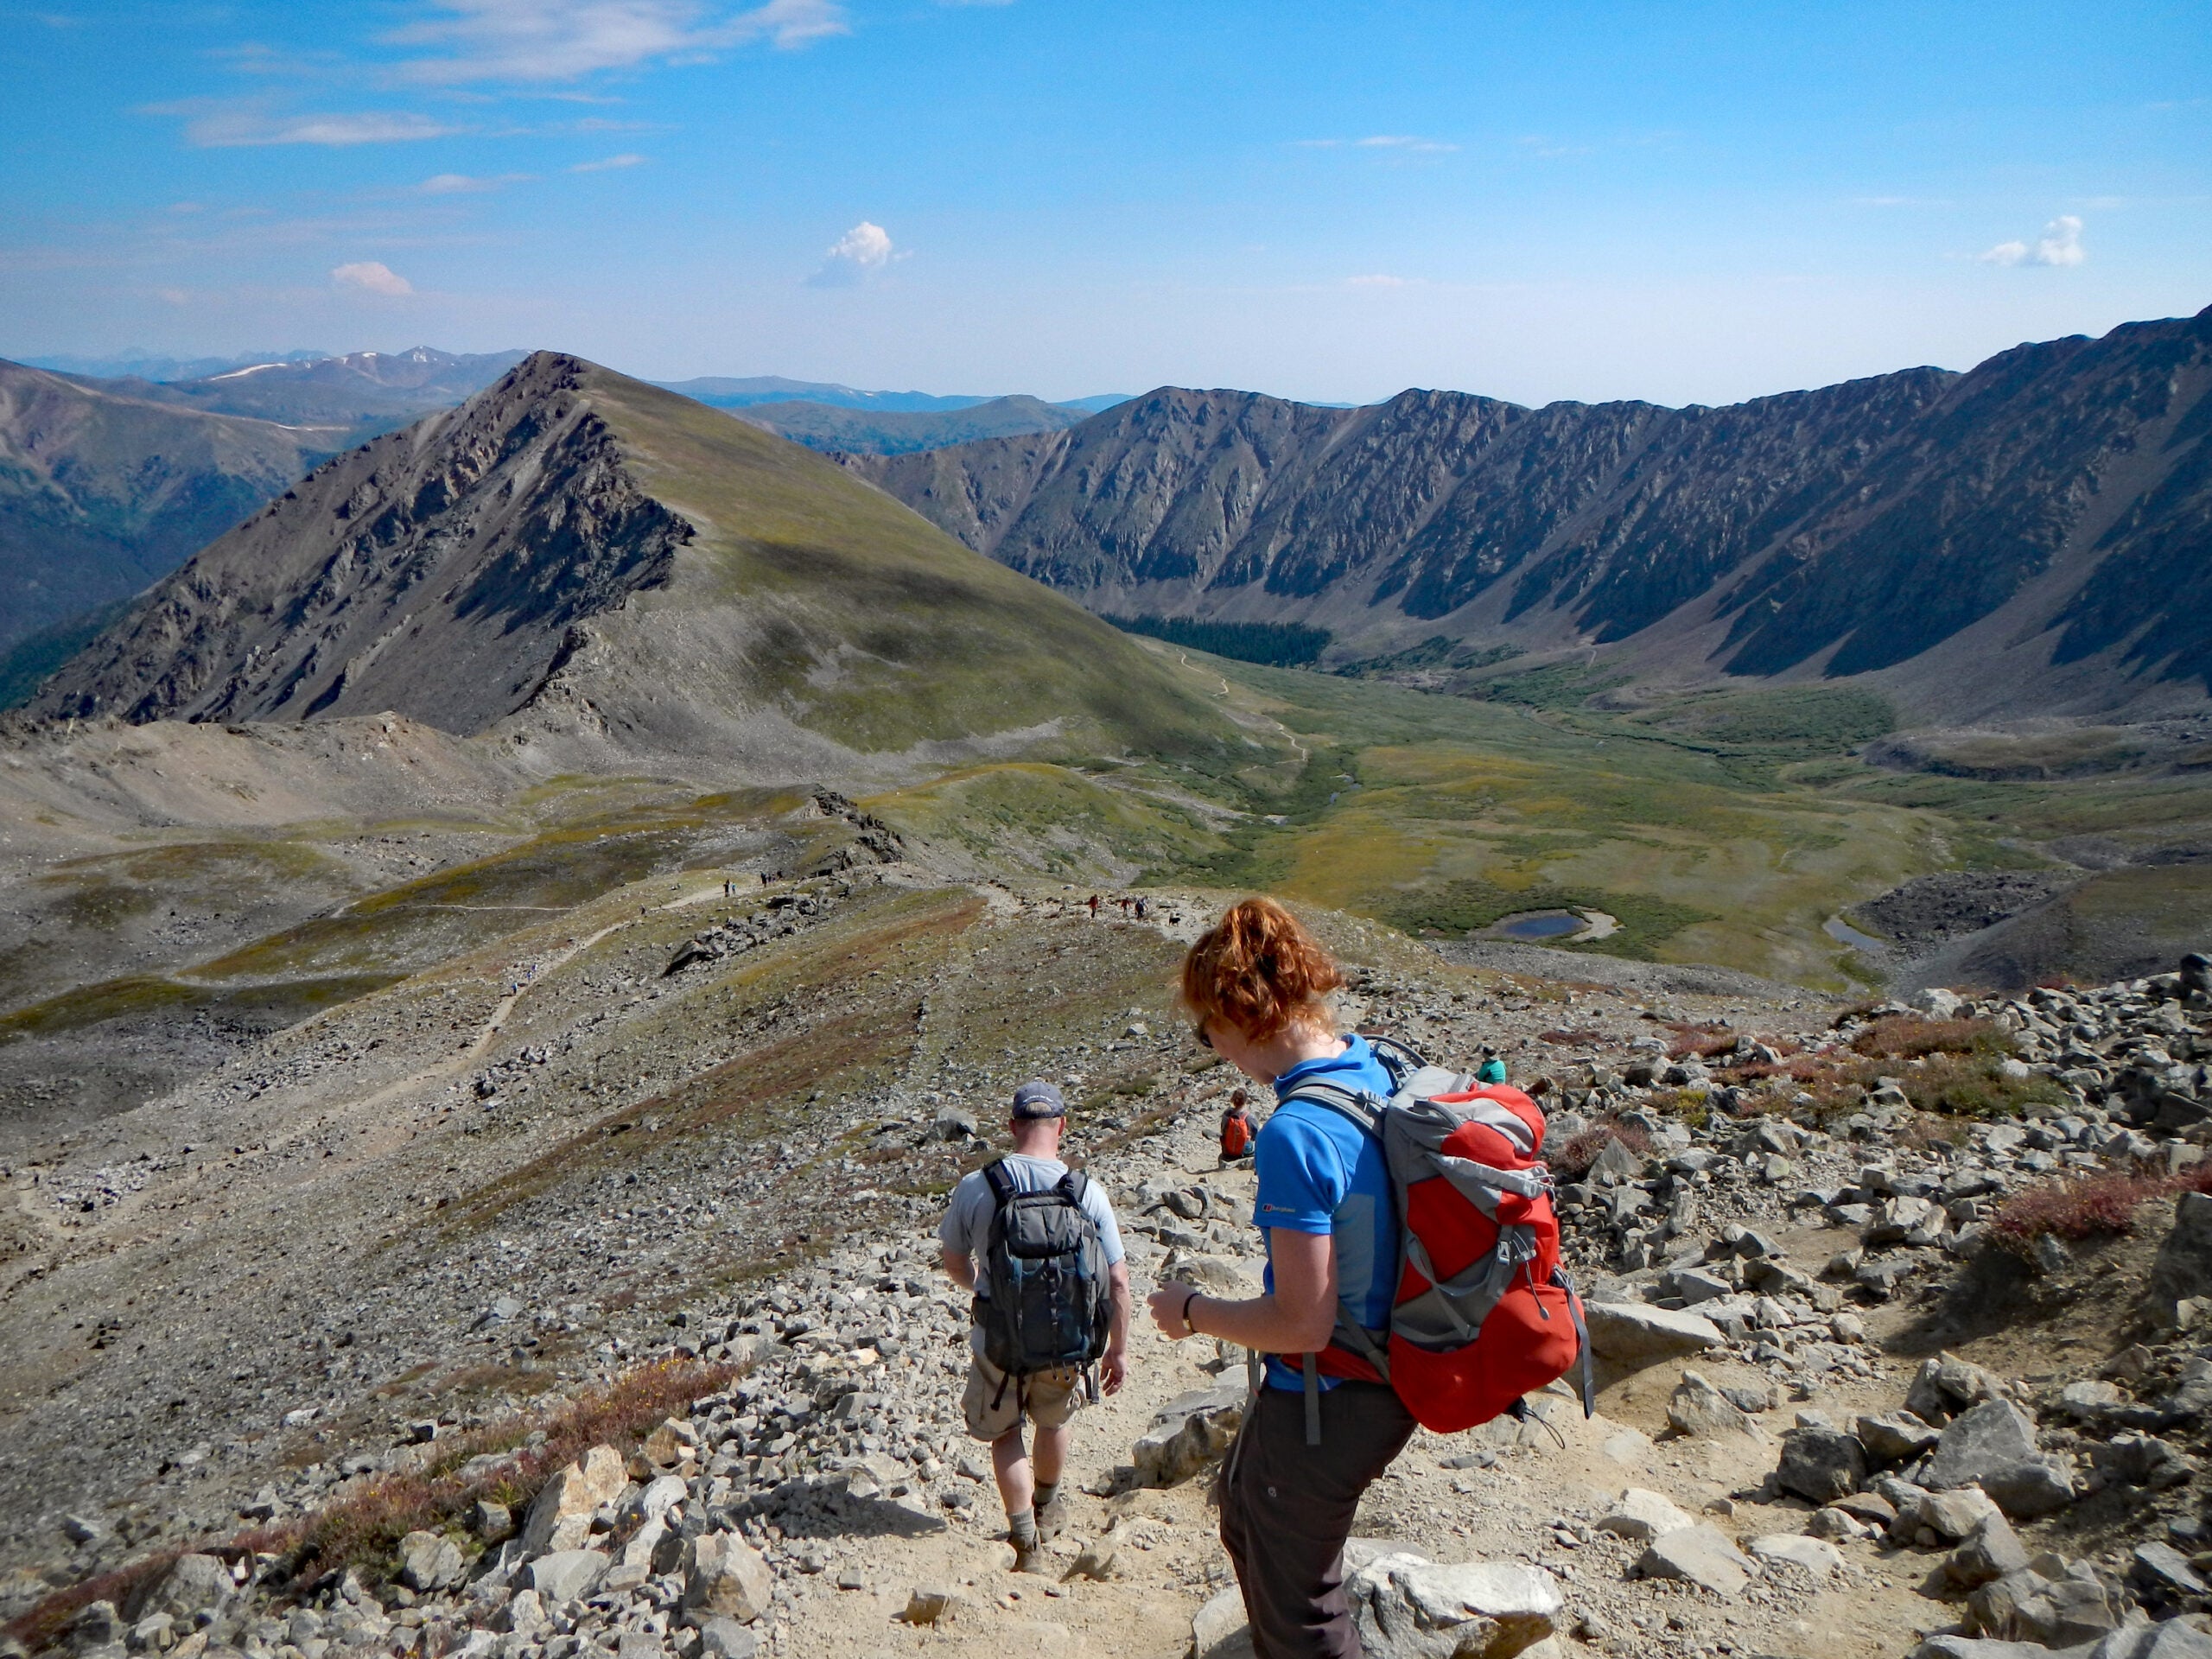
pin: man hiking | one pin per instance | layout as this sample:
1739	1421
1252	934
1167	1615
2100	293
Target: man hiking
1039	1247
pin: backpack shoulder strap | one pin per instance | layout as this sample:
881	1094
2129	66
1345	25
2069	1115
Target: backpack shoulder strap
1000	1179
1073	1185
1362	1109
1397	1057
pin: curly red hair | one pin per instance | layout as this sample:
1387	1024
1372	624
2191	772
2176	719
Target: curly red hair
1257	968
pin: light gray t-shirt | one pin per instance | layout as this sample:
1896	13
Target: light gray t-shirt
967	1225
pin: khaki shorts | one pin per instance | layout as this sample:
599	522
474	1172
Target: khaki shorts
1048	1399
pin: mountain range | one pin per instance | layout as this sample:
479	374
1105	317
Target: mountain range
723	391
604	572
842	430
2028	536
101	492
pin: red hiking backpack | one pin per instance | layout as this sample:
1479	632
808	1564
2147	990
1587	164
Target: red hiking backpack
1484	1314
1235	1131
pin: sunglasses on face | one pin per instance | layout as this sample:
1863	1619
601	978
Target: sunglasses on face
1198	1035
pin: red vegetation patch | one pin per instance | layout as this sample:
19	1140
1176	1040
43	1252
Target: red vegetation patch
2099	1206
1705	1042
1909	1037
362	1527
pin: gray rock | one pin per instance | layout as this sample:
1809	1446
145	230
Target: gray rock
952	1126
1946	1386
725	1638
2183	1267
724	1574
1974	1647
1637	1334
2064	1611
2166	1572
97	1625
429	1560
523	1615
930	1602
1993	1446
567	1574
1895	1437
193	1583
1642	1516
1186	1434
1821	1465
560	1516
1702	1556
1698	1408
1951	1515
494	1523
1814	1555
2168	1639
1408	1608
1990	1551
1219	1630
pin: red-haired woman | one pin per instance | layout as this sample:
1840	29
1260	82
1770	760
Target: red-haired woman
1258	984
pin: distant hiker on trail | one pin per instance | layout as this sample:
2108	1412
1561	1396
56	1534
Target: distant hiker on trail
1140	907
1235	1129
1492	1069
1094	906
1257	981
1039	1245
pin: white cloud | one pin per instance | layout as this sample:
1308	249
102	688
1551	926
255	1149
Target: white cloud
213	124
1376	280
372	278
2059	244
562	40
609	164
866	247
460	184
1380	140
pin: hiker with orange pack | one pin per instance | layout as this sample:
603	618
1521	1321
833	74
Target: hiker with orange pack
1412	1274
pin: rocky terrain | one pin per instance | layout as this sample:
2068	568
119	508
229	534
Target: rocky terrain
576	1293
359	393
1996	543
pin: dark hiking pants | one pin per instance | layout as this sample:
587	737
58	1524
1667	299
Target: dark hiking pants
1287	1511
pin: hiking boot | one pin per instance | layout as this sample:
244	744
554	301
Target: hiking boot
1053	1517
1029	1557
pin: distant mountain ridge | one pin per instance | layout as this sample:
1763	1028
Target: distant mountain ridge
601	571
2028	536
724	391
102	493
896	432
363	393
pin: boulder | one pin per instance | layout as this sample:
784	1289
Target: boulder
1219	1630
1821	1465
565	1575
2164	1573
2060	1613
1816	1557
1642	1516
725	1638
724	1574
1214	1275
1990	1551
1700	1554
2183	1267
560	1518
1895	1437
1993	1446
1947	1385
1634	1333
193	1583
429	1560
1187	1433
1975	1647
523	1614
2168	1639
1698	1408
1408	1608
1951	1515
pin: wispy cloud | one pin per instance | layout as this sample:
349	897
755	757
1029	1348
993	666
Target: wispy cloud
864	249
1380	140
216	123
373	277
2060	244
1376	280
460	184
628	158
565	39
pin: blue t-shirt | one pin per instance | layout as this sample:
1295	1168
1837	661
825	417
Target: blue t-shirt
1320	1173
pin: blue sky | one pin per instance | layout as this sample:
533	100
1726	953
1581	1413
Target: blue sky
1681	201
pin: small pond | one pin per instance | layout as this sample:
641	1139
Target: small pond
1844	933
1541	925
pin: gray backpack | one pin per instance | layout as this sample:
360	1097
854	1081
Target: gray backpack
1044	1300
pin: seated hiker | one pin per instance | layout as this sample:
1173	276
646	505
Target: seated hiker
1235	1129
1040	1246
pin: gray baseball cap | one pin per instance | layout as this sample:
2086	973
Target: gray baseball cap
1038	1098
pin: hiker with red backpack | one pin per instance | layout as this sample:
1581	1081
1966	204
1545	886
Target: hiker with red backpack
1412	1272
1039	1245
1236	1131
